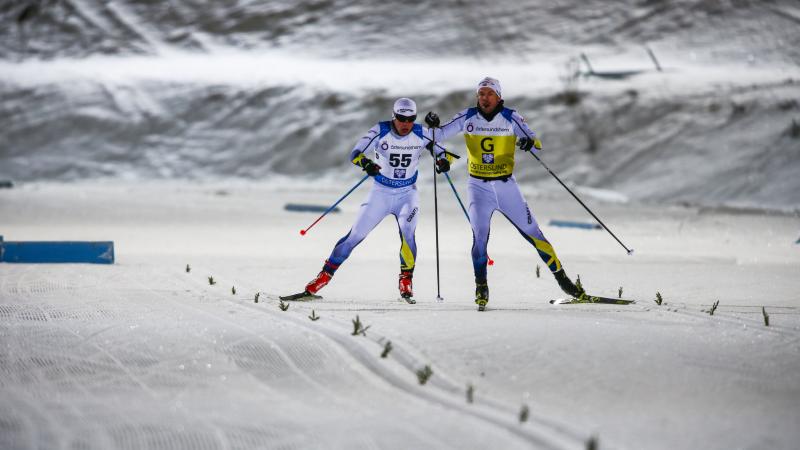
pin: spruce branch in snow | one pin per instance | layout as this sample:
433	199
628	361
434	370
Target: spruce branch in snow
386	349
188	269
713	308
659	299
538	275
233	290
470	393
591	444
211	280
766	316
283	306
255	299
619	295
359	328
314	317
423	374
524	412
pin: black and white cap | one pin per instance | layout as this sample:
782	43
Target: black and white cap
405	107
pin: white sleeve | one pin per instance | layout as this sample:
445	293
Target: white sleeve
364	144
520	127
453	127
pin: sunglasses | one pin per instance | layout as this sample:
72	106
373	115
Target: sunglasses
405	118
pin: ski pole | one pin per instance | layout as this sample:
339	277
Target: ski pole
303	232
491	261
630	251
436	215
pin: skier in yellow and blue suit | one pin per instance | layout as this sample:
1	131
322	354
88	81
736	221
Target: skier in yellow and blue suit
491	131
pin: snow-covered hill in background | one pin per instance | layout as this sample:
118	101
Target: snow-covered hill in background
254	90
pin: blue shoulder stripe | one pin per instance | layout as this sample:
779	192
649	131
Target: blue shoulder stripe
471	112
508	113
417	129
385	127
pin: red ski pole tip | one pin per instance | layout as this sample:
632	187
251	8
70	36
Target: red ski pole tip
302	232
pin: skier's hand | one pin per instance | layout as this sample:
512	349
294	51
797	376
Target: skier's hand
527	143
442	165
369	166
432	119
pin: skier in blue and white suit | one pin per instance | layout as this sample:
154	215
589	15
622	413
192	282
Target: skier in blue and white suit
397	145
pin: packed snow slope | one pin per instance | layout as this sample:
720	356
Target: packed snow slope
143	354
253	90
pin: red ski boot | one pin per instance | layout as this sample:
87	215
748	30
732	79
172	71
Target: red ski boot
319	282
405	286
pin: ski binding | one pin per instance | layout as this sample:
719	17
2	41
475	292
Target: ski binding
301	297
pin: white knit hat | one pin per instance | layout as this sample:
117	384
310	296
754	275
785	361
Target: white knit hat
405	107
491	83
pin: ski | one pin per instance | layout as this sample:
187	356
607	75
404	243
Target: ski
591	299
301	296
408	299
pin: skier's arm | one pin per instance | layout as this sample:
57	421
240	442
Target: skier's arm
452	127
527	138
428	135
357	156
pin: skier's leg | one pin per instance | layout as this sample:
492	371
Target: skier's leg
513	205
482	203
372	211
406	215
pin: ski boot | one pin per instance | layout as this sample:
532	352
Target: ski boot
318	283
481	295
568	286
404	285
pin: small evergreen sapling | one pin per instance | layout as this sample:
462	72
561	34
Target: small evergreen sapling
359	328
314	317
713	308
524	412
255	299
659	299
619	295
591	444
537	271
470	393
188	269
283	306
766	316
211	280
424	374
386	349
233	290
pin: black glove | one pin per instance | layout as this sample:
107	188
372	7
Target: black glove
442	165
369	166
432	119
527	143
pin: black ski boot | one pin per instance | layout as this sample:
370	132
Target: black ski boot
481	295
567	285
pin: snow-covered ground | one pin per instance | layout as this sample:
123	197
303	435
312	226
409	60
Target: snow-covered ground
142	354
